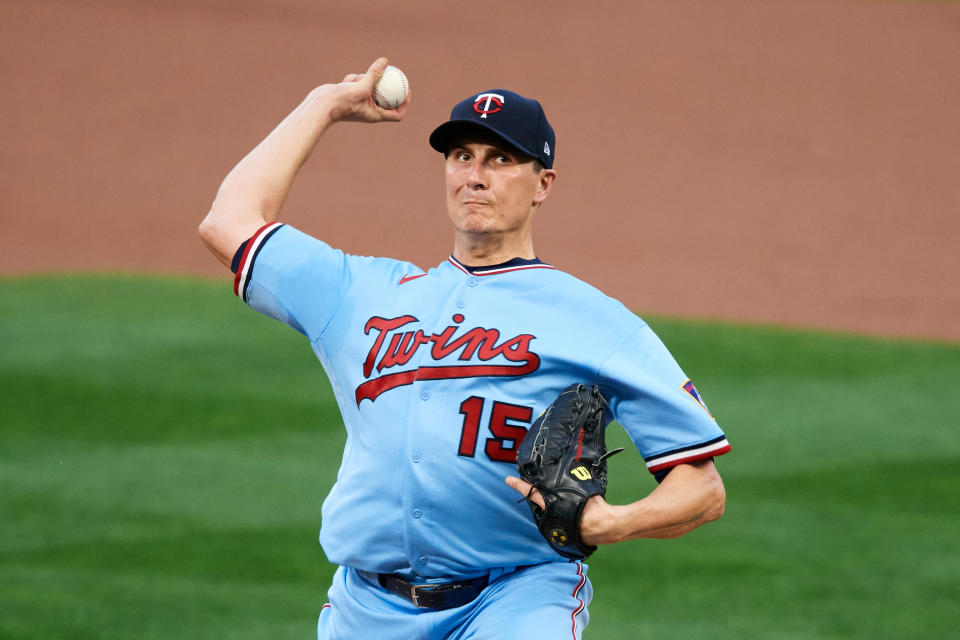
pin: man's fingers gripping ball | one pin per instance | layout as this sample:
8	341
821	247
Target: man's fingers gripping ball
391	89
362	99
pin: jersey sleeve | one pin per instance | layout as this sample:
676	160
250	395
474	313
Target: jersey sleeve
658	405
292	277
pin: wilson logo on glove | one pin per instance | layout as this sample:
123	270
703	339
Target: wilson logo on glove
580	473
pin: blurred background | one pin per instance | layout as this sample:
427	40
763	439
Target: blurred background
771	184
787	162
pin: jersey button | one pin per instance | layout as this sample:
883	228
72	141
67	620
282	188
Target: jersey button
416	457
472	282
417	513
424	395
422	559
461	304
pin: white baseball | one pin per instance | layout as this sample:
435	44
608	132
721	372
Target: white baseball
392	88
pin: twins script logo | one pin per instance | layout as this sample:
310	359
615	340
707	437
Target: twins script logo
481	350
493	102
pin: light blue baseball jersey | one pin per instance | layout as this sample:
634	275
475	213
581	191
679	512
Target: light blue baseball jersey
438	374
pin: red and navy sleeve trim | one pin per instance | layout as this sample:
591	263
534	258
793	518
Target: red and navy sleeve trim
717	446
250	250
235	263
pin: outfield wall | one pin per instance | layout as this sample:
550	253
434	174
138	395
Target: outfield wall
785	162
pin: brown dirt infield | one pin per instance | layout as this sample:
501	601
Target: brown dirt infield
763	160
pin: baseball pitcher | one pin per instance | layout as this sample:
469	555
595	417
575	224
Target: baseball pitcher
475	394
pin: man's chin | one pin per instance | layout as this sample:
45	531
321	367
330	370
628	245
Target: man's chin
478	230
476	224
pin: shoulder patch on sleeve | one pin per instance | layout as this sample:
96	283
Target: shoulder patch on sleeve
692	390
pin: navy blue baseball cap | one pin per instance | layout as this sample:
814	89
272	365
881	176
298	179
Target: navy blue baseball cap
518	121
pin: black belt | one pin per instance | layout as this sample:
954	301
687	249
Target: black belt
431	596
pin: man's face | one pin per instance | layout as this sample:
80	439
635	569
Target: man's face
492	188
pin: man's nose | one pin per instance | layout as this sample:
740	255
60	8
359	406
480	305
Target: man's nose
476	178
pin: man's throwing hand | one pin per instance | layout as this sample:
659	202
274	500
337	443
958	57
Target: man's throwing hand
352	99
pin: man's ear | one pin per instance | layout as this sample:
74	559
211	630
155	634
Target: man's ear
547	176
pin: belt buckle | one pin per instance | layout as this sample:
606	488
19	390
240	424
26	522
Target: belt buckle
434	588
414	596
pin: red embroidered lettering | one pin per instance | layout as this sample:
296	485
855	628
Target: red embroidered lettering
382	325
401	347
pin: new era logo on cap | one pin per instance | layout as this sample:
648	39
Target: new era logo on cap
518	121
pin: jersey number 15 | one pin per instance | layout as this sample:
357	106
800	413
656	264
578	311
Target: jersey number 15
504	428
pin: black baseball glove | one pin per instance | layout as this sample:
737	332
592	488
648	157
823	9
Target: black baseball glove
564	455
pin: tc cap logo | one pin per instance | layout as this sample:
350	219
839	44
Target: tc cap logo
492	103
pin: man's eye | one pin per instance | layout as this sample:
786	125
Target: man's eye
502	159
462	157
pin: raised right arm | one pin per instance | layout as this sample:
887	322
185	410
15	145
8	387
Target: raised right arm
253	193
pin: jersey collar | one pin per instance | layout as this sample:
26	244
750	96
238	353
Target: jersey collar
516	264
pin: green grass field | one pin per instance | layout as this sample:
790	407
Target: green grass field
164	453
